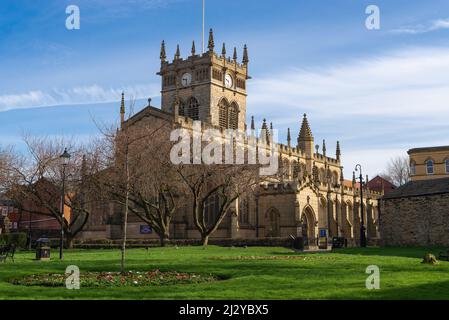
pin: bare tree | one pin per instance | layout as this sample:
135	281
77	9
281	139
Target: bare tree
141	177
155	191
215	188
398	171
6	158
36	177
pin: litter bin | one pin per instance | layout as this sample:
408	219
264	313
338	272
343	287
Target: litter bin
43	249
322	242
338	242
298	243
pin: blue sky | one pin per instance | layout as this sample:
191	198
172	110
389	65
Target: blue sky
380	92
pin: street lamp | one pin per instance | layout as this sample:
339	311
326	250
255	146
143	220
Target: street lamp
65	158
358	168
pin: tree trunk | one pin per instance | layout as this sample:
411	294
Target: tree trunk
68	241
205	239
163	238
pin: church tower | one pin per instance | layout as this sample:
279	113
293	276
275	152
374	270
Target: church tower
209	87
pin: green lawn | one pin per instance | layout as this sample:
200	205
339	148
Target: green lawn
339	275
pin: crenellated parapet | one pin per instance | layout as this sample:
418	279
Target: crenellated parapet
207	66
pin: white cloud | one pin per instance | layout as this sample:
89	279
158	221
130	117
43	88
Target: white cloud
410	82
77	95
374	161
378	107
420	28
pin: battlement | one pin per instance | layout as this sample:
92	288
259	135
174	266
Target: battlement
216	64
323	158
203	59
287	187
290	150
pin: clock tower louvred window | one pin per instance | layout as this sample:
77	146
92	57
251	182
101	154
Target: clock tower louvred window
193	109
223	114
233	116
182	107
228	115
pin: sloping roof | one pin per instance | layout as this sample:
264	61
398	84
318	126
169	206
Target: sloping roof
428	149
149	110
348	183
420	188
380	184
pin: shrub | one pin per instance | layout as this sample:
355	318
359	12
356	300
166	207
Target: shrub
19	239
430	259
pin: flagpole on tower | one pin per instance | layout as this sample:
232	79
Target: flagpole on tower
204	9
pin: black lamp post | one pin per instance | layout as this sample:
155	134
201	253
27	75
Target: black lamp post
257	213
29	229
362	218
65	158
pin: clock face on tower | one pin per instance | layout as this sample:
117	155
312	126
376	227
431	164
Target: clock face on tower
186	79
228	80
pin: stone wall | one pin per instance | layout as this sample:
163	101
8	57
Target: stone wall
415	221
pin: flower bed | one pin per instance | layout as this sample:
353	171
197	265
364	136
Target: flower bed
286	257
115	279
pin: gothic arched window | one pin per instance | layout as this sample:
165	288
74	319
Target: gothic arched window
295	170
429	166
193	109
244	211
211	209
223	119
228	115
322	175
233	116
272	223
182	107
446	164
335	178
286	169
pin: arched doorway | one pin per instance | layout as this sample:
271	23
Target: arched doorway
272	224
308	226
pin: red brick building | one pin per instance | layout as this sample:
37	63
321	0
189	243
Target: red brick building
31	216
9	215
381	185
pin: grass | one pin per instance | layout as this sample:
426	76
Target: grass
245	273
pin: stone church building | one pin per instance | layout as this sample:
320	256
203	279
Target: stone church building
310	199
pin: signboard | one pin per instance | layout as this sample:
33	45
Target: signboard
145	229
323	233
